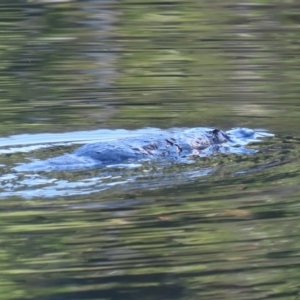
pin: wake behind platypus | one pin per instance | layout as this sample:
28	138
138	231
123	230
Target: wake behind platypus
174	144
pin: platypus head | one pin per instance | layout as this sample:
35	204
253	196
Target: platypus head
219	136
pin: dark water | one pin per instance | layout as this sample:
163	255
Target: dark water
226	227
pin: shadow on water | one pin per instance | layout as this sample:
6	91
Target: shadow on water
224	227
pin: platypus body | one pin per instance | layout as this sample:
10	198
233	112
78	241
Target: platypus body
174	144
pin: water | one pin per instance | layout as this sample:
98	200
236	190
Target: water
225	227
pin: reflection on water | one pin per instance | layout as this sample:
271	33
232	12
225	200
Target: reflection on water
71	66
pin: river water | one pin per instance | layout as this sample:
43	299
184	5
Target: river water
224	227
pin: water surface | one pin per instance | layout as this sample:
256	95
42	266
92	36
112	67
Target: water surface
227	228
